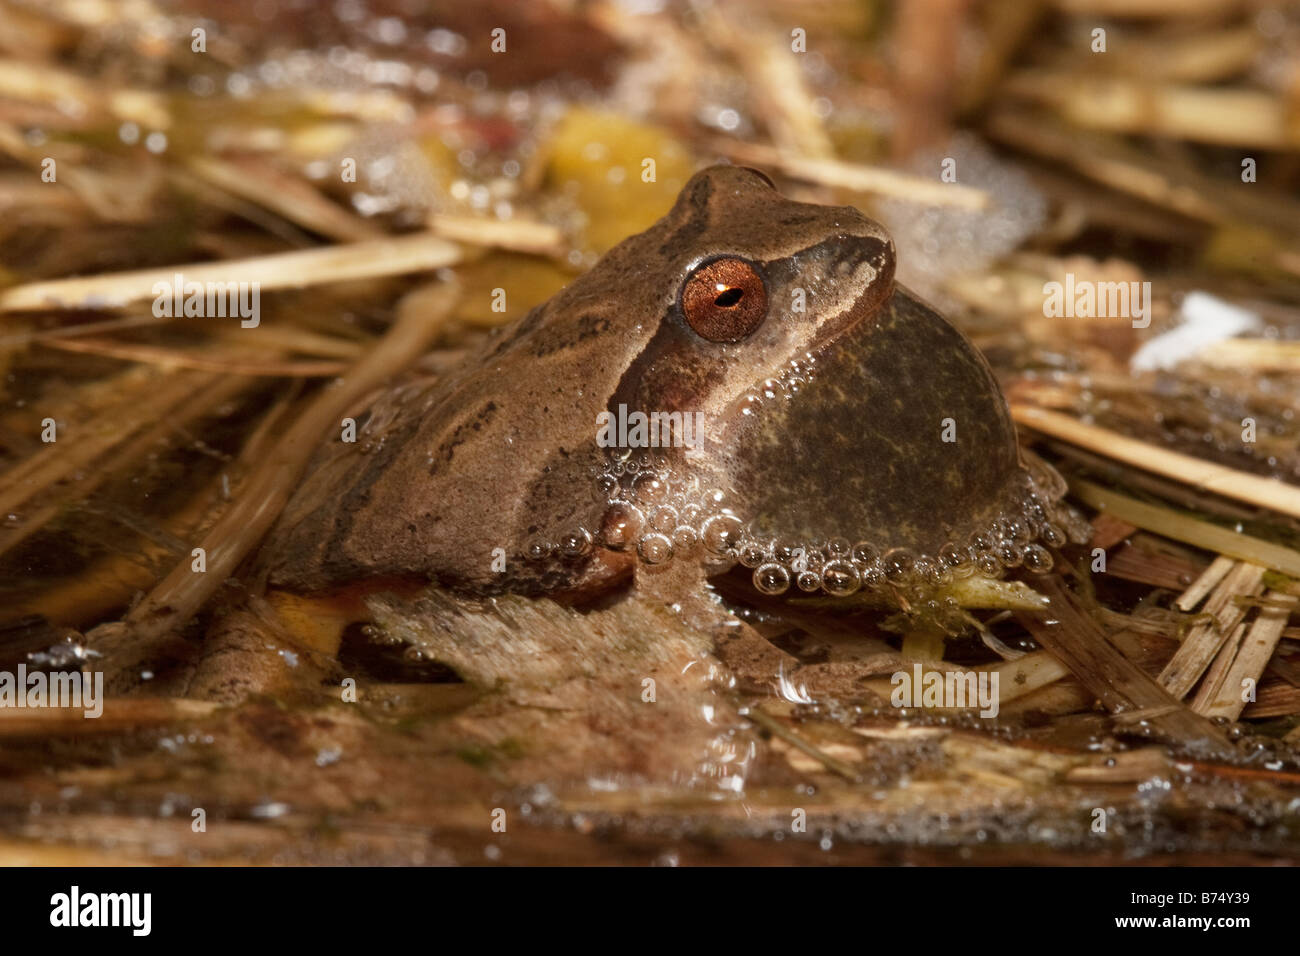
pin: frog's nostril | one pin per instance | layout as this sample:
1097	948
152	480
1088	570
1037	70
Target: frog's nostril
729	298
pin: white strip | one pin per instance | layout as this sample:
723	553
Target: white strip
1205	320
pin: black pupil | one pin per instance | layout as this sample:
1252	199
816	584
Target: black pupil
729	298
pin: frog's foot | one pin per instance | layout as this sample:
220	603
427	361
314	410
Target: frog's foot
252	650
683	588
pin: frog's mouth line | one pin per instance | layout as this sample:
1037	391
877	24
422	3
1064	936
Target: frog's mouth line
859	251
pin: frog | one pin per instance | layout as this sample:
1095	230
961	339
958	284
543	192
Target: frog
742	385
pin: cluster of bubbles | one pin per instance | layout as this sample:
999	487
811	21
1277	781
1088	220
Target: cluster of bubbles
650	512
661	516
1018	538
796	374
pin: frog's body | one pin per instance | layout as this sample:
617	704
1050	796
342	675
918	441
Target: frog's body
834	408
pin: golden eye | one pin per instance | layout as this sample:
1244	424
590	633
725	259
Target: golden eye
724	300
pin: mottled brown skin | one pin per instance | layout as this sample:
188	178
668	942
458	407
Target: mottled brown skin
861	454
491	457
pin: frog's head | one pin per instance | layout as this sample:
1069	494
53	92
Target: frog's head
749	281
834	412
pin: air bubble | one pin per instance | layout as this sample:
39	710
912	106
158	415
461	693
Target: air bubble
771	578
655	549
622	524
955	560
752	554
930	573
685	538
864	552
664	518
808	580
1054	536
721	532
649	488
1010	554
840	578
538	549
898	564
575	544
1038	559
1014	529
713	499
837	548
786	549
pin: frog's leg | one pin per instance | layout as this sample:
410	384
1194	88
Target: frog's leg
282	644
683	587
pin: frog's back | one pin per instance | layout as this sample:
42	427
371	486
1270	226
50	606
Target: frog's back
450	479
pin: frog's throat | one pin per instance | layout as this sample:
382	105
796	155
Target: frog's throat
681	515
899	434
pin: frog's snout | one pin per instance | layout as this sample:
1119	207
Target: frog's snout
871	243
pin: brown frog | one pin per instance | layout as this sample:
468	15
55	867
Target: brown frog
744	382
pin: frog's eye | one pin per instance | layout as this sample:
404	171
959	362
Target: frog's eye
724	300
